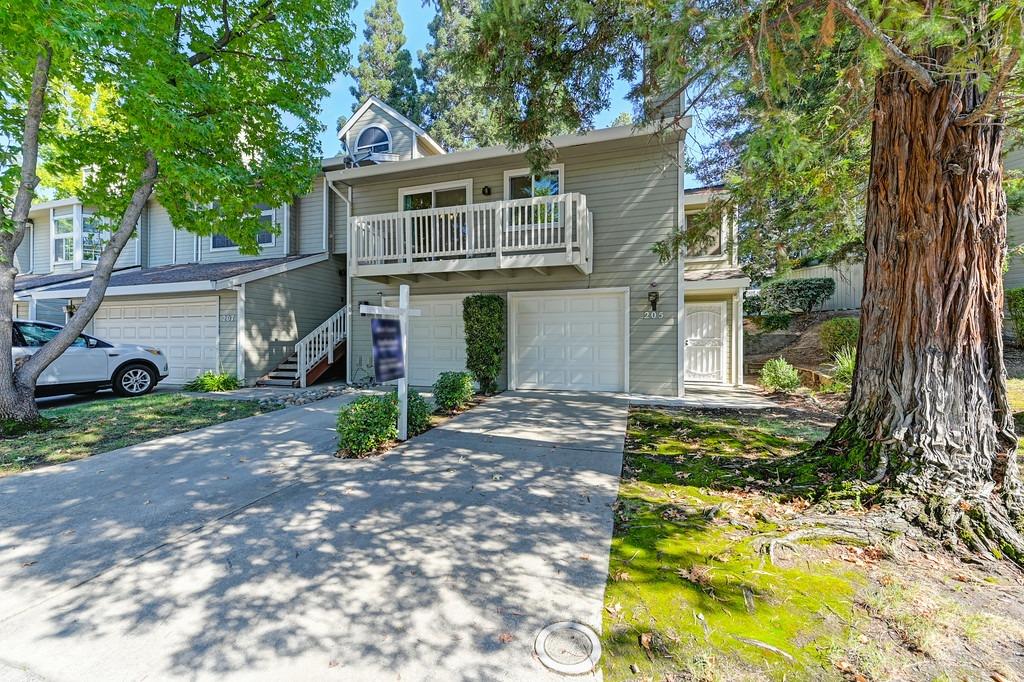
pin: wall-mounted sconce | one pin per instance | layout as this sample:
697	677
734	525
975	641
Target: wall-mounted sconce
652	298
486	190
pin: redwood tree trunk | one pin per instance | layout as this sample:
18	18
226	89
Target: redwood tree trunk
929	409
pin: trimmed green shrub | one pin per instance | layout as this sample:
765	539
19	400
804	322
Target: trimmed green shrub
839	333
773	322
844	361
779	375
419	412
453	390
371	422
1015	311
211	381
484	318
796	295
367	423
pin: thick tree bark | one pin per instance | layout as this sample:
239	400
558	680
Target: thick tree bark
929	412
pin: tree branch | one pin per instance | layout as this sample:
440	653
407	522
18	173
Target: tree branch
30	137
992	96
260	14
898	56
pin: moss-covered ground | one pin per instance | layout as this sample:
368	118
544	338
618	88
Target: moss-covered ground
691	597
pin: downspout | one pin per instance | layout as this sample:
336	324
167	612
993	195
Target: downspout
347	198
327	202
240	341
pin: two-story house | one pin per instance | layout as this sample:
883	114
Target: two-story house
589	305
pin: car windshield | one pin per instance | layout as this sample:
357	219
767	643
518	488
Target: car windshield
36	335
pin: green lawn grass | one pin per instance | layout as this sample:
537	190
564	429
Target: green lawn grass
689	595
84	430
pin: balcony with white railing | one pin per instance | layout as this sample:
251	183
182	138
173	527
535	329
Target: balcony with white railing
540	232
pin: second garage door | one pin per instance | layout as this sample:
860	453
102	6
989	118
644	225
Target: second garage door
186	330
569	341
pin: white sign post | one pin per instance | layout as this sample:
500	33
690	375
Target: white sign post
402	312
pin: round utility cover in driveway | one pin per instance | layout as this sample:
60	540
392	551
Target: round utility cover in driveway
568	647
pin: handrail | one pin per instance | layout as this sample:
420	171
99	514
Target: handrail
320	343
492	229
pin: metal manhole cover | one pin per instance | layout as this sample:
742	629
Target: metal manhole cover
568	647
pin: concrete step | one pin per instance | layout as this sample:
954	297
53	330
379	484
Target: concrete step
292	376
276	382
289	366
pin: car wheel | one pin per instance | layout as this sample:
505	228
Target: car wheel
134	380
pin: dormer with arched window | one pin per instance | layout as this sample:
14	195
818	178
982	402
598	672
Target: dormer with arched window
377	133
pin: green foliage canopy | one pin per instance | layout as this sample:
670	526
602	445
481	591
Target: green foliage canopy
226	97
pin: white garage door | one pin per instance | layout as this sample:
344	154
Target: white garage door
186	330
569	341
437	338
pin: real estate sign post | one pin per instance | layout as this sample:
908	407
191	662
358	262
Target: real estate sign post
391	348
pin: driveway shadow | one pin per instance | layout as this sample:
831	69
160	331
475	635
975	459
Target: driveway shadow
440	560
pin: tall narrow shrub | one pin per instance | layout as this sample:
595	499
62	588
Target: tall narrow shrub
484	318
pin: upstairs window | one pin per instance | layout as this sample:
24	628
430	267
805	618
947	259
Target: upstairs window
374	140
263	237
523	185
711	225
64	237
94	234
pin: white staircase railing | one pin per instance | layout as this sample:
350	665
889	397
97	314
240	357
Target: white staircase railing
320	343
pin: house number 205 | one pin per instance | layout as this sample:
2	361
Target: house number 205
654	315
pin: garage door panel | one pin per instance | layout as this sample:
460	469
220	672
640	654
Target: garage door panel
437	337
187	332
573	341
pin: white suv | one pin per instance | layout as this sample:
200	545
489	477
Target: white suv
90	364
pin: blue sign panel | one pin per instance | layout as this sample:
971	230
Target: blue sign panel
388	363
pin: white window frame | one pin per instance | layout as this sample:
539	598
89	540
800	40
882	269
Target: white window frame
509	174
81	237
724	245
432	188
387	134
54	236
273	237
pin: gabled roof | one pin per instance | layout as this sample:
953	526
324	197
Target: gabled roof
29	282
336	169
187	276
373	100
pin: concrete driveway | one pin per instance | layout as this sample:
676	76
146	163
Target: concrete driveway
246	551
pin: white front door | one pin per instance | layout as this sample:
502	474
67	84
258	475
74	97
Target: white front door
437	337
573	340
185	329
704	357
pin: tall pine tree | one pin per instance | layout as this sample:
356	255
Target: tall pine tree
385	66
455	111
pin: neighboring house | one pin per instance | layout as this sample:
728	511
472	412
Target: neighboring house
589	305
208	307
1014	277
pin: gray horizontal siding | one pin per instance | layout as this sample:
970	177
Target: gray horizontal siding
401	135
281	309
310	219
631	190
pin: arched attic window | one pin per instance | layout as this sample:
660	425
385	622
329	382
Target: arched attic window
373	139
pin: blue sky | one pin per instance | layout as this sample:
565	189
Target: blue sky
416	17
